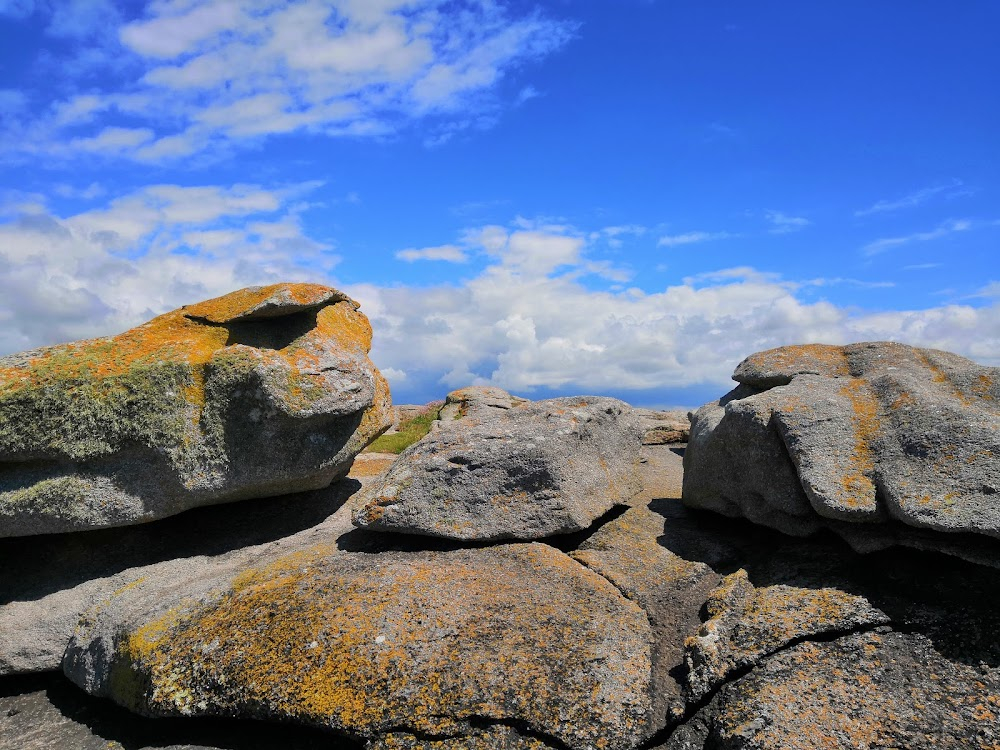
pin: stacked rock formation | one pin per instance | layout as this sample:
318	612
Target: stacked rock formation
497	467
262	392
882	443
511	581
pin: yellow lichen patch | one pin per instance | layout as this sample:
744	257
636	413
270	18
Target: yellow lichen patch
863	692
983	388
856	482
419	640
170	337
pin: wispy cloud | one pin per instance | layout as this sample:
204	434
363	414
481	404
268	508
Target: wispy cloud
911	200
842	281
688	238
782	223
886	243
922	266
990	291
224	71
448	253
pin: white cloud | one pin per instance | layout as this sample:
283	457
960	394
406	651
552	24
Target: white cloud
449	253
782	223
172	33
520	329
910	200
99	272
113	140
689	238
841	281
92	191
238	71
522	332
949	227
525	321
990	291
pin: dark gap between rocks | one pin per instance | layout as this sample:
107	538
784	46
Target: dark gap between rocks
366	540
484	723
35	566
266	333
49	707
948	600
692	709
574	539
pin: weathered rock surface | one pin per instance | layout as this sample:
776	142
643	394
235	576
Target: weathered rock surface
429	643
670	589
48	712
747	624
50	581
265	391
664	427
865	690
509	470
880	442
477	401
213	613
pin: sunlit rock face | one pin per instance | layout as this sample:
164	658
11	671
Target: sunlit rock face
496	467
265	391
881	442
422	643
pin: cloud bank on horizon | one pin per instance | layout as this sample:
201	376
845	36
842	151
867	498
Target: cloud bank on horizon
622	199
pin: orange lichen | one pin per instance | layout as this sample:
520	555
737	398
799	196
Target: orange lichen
904	399
823	359
420	641
239	303
859	489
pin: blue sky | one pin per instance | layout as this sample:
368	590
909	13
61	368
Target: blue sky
622	197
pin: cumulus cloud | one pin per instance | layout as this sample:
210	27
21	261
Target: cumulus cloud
101	271
525	326
545	312
524	331
216	70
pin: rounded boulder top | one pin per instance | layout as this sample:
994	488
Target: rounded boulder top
264	391
272	301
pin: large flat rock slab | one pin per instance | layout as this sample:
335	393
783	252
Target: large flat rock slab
265	391
880	442
429	643
497	468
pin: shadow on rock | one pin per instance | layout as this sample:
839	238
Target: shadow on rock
40	565
943	598
45	710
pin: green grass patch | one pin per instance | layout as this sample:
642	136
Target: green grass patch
406	435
